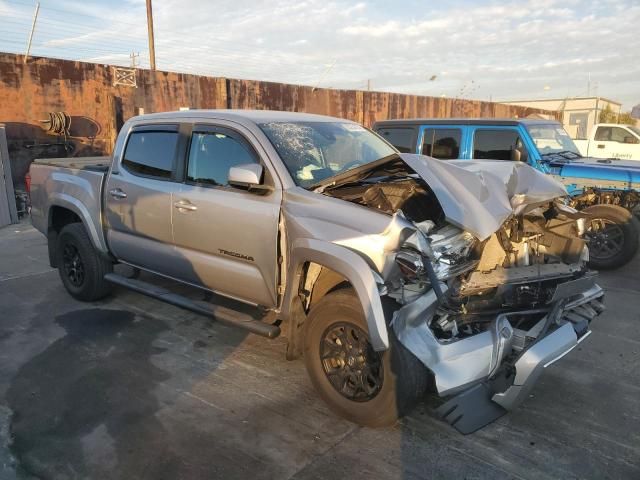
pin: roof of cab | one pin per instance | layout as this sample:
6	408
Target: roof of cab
255	116
464	121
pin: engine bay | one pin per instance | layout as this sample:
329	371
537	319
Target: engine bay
518	268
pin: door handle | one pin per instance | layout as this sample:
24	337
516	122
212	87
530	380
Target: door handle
601	145
117	193
185	205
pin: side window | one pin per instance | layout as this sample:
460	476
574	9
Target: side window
150	154
442	143
621	135
401	138
603	134
212	155
495	144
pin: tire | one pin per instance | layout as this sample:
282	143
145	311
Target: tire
613	236
81	268
403	379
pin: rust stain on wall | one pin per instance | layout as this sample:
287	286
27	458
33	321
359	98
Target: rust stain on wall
85	92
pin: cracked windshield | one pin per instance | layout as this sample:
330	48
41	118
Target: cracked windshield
315	151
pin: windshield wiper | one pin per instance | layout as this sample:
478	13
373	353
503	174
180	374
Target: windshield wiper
565	154
351	175
366	179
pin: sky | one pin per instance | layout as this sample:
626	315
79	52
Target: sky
485	50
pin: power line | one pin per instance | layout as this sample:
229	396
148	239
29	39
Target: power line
69	29
137	42
66	38
43	38
68	12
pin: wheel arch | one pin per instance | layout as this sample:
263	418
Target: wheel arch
64	210
332	266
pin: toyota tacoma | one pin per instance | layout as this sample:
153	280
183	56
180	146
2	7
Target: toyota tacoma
390	273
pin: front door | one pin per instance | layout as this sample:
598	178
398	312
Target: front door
498	144
138	199
228	236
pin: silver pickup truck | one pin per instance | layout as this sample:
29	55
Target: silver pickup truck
390	273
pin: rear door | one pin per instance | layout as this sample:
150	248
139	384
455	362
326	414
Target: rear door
139	197
227	236
441	142
402	137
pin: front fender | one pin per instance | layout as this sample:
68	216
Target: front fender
352	267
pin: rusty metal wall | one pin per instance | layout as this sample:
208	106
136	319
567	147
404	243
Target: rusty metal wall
97	108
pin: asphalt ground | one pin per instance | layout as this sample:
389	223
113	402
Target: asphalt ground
130	388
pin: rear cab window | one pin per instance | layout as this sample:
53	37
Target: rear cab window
496	144
403	138
151	152
441	143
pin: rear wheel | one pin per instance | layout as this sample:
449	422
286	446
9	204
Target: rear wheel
364	386
81	268
613	236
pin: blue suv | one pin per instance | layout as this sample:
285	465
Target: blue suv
607	189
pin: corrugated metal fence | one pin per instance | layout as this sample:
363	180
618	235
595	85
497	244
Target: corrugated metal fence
98	107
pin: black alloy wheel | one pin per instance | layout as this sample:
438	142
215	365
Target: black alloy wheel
612	233
73	265
81	268
606	239
351	365
365	386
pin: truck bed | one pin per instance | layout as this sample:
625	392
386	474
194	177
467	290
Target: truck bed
100	164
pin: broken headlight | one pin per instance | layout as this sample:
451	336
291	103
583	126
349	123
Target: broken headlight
410	264
452	247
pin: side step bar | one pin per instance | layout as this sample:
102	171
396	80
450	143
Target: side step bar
217	312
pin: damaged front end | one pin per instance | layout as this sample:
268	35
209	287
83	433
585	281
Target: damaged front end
485	312
508	309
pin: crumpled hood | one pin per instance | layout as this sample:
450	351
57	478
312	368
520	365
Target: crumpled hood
479	195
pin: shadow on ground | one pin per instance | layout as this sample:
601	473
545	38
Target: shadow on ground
83	383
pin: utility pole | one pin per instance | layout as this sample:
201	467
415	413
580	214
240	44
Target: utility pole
152	48
368	85
134	56
33	27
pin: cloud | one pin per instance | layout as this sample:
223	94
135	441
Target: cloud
509	49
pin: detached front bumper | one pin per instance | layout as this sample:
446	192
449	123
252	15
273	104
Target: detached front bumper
564	327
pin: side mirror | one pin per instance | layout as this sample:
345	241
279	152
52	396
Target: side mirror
248	176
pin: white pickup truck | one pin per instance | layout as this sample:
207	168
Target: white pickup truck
611	140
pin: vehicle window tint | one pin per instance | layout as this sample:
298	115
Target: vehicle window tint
495	144
621	135
443	143
401	138
603	134
212	155
151	153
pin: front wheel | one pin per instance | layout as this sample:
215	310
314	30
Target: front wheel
613	233
364	386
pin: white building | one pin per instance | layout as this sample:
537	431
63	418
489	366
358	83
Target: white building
579	115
